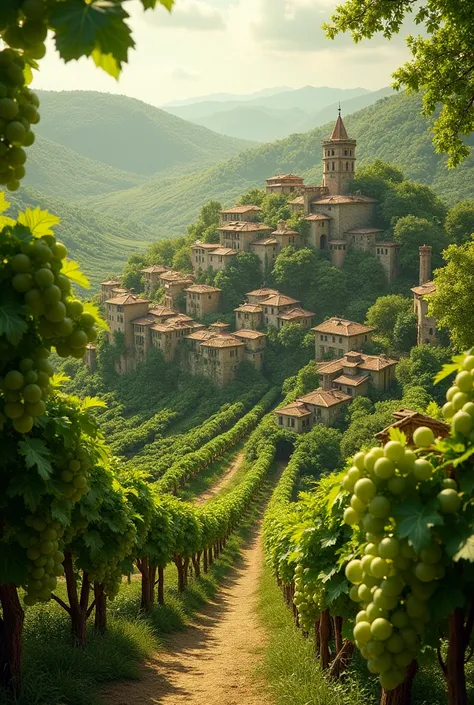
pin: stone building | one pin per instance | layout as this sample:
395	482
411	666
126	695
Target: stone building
248	316
426	325
142	328
339	155
274	306
267	251
408	421
268	307
206	255
239	236
284	183
151	277
297	315
258	295
109	289
318	407
120	312
90	358
355	373
174	283
202	299
255	343
337	336
235	214
170	334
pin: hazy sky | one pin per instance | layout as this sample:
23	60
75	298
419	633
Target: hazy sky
236	46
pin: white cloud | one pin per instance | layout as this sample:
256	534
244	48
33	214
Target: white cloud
181	73
189	14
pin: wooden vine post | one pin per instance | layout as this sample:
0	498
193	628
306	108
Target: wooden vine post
11	627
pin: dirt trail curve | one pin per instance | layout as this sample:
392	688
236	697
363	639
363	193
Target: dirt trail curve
213	661
224	480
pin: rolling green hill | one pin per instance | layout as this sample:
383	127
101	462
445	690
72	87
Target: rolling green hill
392	130
63	173
100	243
128	134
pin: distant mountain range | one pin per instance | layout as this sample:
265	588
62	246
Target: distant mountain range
264	118
217	97
116	191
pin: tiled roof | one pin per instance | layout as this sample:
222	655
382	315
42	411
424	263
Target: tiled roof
110	282
425	289
222	341
388	243
117	290
173	276
263	292
246	227
339	131
338	200
364	231
205	245
144	321
127	300
318	216
340	326
326	398
241	209
201	335
297	408
221	325
154	269
278	300
203	289
352	381
161	311
266	242
403	416
296	312
289	177
251	334
298	201
356	359
285	231
224	251
249	308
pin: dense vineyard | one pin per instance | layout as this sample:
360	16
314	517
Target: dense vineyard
379	557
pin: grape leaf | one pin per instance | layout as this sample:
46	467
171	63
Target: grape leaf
336	587
72	270
39	221
92	403
462	458
13	567
414	521
445	600
61	511
107	63
466	552
82	26
12	323
94	310
397	435
445	371
4	204
36	453
151	4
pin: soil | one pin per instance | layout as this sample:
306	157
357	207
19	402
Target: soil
213	661
223	481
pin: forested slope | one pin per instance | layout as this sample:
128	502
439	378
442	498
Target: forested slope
392	130
128	134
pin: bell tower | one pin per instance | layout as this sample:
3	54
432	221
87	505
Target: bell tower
338	159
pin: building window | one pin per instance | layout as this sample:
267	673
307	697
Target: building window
366	338
333	166
431	331
347	166
280	421
333	338
322	337
292	423
332	154
345	152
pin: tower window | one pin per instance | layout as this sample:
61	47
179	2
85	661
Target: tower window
332	152
350	152
345	152
347	166
333	166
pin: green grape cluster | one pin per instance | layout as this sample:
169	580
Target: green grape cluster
459	407
391	581
25	390
41	537
306	598
75	476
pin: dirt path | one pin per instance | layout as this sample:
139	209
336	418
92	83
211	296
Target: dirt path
223	481
213	661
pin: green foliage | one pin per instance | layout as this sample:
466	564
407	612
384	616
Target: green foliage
411	198
459	222
440	60
412	232
205	228
451	304
392	315
420	367
376	179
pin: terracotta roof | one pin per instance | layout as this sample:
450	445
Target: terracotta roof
425	289
388	243
251	334
154	269
127	300
224	251
161	311
296	312
205	245
222	341
356	359
377	362
203	289
297	408
340	326
339	131
176	277
241	209
174	324
220	324
285	231
364	231
246	227
318	216
144	321
110	282
200	335
249	308
278	300
338	200
406	415
352	381
263	292
289	177
298	201
324	397
266	242
119	290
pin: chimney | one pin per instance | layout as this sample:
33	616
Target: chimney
425	263
282	225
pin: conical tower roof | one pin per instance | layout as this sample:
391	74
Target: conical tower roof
339	131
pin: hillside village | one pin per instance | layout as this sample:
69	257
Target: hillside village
337	222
